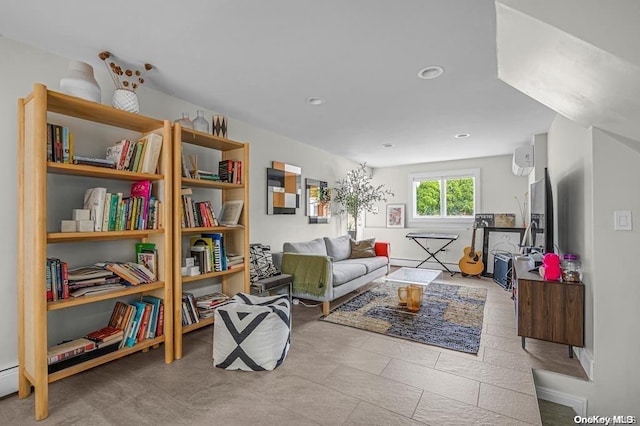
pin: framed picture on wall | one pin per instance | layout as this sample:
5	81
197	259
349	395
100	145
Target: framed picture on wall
395	215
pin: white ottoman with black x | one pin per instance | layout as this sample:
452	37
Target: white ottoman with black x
252	333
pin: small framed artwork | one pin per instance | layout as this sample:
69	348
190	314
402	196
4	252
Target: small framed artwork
230	213
395	215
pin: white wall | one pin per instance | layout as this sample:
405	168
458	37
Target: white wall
316	164
499	187
593	174
24	66
617	293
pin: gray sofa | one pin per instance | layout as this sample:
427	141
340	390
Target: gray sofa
324	269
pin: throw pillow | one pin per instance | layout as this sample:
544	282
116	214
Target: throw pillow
363	248
261	265
338	247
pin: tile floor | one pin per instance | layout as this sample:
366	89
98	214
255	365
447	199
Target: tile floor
333	375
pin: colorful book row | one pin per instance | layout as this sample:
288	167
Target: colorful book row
141	156
59	144
230	171
115	212
196	214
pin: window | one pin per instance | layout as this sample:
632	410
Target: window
440	197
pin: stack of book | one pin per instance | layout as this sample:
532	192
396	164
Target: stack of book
131	272
106	336
234	259
69	349
59	144
195	214
204	174
208	303
128	325
147	255
209	252
230	171
87	280
57	279
143	319
141	156
189	310
116	212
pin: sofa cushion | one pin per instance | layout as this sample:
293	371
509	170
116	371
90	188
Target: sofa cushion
344	272
363	248
307	247
339	248
371	263
261	265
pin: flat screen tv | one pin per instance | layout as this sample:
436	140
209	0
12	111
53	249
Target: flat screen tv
542	214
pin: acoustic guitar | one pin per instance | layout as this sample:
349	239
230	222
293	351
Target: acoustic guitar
471	262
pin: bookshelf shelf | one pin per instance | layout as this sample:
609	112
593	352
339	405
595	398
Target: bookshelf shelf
202	323
203	183
83	300
87	365
68	237
97	113
236	239
200	230
212	274
39	203
99	172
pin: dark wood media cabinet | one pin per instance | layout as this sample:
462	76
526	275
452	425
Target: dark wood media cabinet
548	310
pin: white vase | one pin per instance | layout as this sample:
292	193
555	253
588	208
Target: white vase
79	81
126	100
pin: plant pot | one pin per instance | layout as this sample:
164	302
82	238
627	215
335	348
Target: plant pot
126	100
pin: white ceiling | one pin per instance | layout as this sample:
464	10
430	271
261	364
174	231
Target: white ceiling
257	61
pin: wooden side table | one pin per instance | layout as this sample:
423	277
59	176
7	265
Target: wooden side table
265	286
548	310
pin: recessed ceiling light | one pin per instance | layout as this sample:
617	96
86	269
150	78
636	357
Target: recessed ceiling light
314	101
430	72
387	145
462	135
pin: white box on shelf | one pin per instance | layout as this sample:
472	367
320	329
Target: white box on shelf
67	226
85	226
189	261
81	214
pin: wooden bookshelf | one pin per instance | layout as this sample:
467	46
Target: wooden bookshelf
35	240
233	280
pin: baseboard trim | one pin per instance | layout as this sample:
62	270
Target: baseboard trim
586	360
578	404
8	381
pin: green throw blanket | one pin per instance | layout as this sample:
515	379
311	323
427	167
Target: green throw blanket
310	272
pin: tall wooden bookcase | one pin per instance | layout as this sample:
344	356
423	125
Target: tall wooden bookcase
35	240
236	239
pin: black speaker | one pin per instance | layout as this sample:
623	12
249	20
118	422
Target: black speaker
502	270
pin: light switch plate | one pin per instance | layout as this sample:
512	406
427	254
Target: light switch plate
623	220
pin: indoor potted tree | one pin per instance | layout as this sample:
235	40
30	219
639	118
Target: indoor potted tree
356	194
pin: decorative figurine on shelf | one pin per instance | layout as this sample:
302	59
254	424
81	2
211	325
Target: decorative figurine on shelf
550	269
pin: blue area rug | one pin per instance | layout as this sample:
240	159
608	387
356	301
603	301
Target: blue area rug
450	316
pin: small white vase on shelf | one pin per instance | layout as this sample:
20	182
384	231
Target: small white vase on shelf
126	100
79	81
185	121
200	123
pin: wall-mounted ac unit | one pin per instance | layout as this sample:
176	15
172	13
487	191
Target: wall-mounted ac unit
523	160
